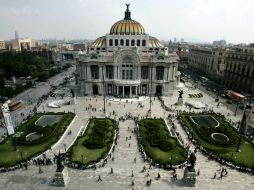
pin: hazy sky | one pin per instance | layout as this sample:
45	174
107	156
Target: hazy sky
193	20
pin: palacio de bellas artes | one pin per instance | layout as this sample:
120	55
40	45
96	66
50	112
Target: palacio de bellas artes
93	99
125	60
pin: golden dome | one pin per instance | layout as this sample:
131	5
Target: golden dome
127	26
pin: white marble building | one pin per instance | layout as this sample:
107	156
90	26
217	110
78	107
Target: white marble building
127	62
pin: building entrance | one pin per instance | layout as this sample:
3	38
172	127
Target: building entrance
127	91
95	90
159	90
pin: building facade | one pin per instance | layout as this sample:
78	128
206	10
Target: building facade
239	72
2	44
23	43
126	62
209	62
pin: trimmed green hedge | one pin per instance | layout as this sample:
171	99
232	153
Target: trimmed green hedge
205	132
29	149
225	150
95	143
158	144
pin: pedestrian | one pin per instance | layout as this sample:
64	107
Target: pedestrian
132	175
129	144
214	176
99	178
135	160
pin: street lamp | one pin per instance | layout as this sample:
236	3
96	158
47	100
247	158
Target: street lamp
82	159
170	161
232	157
64	147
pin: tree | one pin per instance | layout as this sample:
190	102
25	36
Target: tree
43	76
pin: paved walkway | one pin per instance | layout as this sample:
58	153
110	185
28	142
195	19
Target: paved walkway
124	155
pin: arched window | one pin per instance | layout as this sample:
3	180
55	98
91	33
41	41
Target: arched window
133	42
121	42
127	68
110	42
138	42
143	42
159	73
116	42
127	42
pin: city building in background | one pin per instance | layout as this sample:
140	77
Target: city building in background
209	62
239	70
127	62
22	43
2	44
222	43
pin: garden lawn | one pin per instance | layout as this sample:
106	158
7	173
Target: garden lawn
158	144
223	150
28	149
95	143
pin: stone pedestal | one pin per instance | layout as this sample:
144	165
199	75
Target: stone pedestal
180	101
61	177
189	177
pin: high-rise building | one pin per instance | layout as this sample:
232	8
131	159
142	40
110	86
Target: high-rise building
16	35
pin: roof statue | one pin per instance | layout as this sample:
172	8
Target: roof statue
127	13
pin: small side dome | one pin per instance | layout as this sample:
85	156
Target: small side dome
99	42
154	42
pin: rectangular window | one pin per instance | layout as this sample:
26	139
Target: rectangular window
144	72
109	71
123	74
95	72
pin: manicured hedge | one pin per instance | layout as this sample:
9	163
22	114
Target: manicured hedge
49	131
205	132
95	143
225	150
29	149
158	144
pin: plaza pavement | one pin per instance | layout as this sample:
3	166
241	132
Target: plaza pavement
123	163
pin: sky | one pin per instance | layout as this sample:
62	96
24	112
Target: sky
193	20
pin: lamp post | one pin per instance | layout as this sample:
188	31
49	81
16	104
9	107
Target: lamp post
236	107
104	93
151	75
82	159
170	161
238	146
64	148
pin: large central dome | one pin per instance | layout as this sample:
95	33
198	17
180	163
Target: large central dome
127	25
